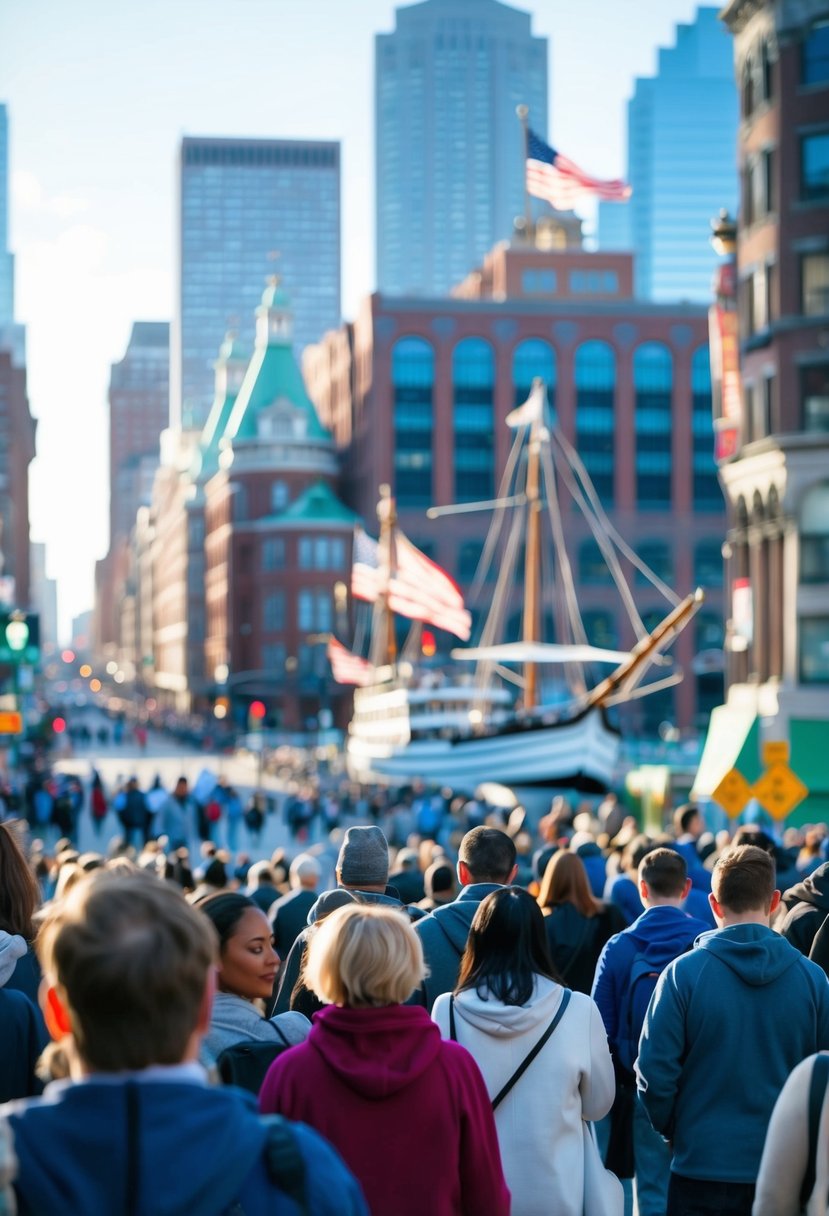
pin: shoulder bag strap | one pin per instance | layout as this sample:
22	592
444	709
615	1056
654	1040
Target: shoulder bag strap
817	1092
452	1032
280	1034
527	1061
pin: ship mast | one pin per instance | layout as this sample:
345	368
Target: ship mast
532	563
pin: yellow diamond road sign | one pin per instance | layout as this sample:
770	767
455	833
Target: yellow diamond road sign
779	790
732	793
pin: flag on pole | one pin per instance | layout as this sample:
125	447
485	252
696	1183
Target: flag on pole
348	668
553	177
531	411
367	575
422	591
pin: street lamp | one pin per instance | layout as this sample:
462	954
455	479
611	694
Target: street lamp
17	633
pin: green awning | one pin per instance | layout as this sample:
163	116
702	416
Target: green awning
809	752
733	741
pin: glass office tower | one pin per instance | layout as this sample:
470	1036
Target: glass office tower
449	148
250	208
6	258
682	132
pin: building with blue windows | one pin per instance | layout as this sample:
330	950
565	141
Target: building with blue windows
448	146
416	391
248	207
682	132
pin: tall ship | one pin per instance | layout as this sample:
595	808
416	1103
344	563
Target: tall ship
521	711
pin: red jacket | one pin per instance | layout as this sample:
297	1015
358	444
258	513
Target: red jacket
408	1112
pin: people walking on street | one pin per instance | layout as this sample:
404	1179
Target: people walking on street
408	1112
506	1000
577	924
98	805
726	1025
179	816
134	815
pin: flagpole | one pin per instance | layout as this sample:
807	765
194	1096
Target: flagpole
523	113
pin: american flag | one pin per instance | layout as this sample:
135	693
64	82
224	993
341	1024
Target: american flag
367	574
348	668
419	589
553	177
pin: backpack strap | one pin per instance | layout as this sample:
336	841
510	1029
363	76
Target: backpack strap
280	1033
528	1059
452	1032
817	1092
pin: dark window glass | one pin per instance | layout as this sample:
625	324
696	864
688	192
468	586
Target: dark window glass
814	650
600	627
657	555
595	376
413	375
593	567
815	55
814	535
814	397
473	380
653	379
706	486
814	284
534	358
814	167
708	564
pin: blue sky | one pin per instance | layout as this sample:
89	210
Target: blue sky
99	94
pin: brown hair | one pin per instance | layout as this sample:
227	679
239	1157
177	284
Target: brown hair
665	872
19	892
743	879
131	960
565	882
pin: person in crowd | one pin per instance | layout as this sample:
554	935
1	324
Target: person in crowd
19	901
289	913
440	885
786	872
809	853
486	861
407	878
577	924
409	1113
622	889
234	814
583	845
214	878
23	1037
98	805
743	994
794	1168
302	999
255	819
689	828
128	968
261	885
804	908
135	814
626	976
507	997
245	974
179	816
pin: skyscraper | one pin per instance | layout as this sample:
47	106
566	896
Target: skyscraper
249	207
6	258
449	148
682	131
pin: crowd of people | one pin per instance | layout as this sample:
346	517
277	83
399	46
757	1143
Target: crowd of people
431	1009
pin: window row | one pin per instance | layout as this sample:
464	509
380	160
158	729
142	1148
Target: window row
314	611
658	556
308	553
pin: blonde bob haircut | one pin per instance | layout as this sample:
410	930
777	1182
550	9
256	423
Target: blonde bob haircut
364	955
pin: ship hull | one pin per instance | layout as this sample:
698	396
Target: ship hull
579	753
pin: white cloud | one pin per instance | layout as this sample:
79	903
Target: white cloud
29	196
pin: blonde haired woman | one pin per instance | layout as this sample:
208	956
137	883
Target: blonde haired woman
408	1112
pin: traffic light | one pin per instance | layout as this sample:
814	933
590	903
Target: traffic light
256	715
19	637
58	725
428	645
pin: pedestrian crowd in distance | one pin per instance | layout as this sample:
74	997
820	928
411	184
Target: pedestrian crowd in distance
475	1020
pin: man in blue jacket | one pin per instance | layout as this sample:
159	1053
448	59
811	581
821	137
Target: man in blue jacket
725	1027
128	969
486	861
626	976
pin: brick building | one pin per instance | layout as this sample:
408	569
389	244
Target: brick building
416	390
17	451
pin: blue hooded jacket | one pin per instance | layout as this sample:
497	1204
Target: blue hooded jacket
725	1027
199	1150
662	934
443	934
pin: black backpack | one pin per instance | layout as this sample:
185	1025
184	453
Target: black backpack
245	1064
286	1167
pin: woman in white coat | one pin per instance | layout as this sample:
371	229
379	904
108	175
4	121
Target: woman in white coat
507	998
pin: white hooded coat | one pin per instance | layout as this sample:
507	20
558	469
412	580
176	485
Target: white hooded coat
539	1123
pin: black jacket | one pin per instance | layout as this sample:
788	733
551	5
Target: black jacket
807	905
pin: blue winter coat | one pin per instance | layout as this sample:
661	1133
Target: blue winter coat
443	934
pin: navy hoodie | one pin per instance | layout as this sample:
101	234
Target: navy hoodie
727	1024
661	934
199	1150
443	934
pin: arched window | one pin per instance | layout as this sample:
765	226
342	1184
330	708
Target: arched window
814	535
708	563
413	377
593	567
473	384
530	359
653	380
595	376
657	555
707	492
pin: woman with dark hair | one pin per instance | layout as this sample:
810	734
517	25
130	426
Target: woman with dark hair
577	924
245	974
19	900
509	1008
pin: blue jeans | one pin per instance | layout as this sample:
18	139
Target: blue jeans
699	1197
652	1157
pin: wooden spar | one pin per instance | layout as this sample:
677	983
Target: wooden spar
532	561
387	516
665	630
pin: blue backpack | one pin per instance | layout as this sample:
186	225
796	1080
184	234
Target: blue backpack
643	977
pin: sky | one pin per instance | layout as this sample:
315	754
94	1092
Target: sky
99	95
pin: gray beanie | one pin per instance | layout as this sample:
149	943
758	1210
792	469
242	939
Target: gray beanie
364	858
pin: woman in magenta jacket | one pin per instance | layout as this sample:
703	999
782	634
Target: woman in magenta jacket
408	1112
